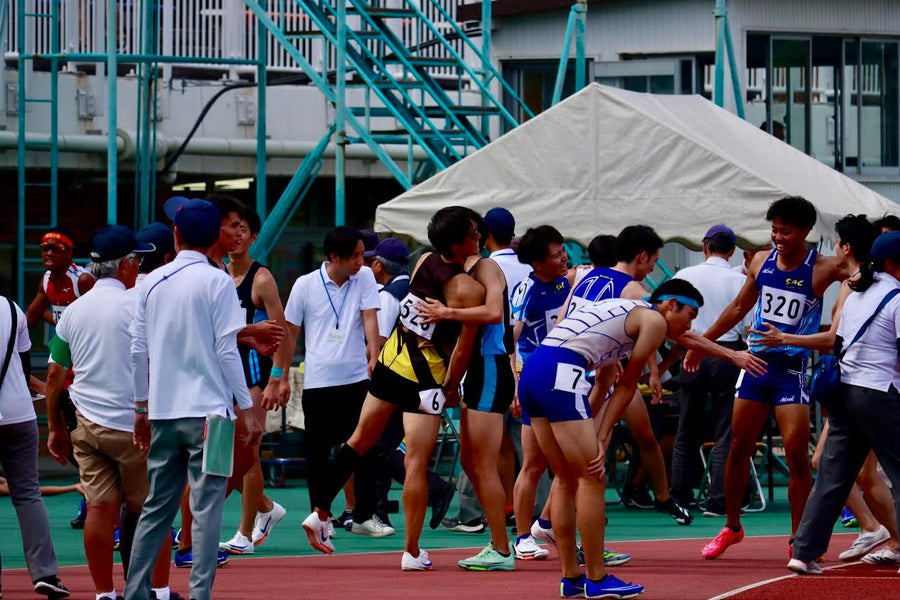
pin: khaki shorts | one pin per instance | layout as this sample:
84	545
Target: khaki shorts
111	466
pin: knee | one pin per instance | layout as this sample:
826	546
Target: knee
415	465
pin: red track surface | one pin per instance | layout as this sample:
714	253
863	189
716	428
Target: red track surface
670	570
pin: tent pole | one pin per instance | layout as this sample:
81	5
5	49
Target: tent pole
564	58
732	66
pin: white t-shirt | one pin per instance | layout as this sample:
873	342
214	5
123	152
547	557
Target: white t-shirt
96	327
187	320
390	309
872	361
513	270
15	399
719	285
332	323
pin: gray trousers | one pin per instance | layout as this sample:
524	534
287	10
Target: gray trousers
18	457
469	507
176	457
860	419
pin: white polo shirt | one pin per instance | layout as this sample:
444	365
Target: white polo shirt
872	361
96	327
15	399
719	285
332	325
187	321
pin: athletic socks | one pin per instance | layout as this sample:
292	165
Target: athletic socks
575	580
738	528
545	523
107	595
161	593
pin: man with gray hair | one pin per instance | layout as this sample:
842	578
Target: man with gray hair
93	338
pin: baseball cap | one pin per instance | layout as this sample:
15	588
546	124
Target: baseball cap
721	233
159	235
390	249
887	245
370	240
115	241
198	221
500	221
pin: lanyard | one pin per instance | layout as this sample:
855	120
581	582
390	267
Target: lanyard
337	313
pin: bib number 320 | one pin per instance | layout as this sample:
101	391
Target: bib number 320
432	401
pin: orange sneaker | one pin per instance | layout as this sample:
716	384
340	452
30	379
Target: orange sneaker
726	538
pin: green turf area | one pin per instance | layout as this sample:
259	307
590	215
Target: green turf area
288	539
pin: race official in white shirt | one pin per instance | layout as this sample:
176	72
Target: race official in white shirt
714	380
186	323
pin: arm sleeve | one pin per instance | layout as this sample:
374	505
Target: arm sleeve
228	319
368	297
60	351
293	310
387	314
140	357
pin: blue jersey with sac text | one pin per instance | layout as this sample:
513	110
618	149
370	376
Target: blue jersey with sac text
787	301
601	283
537	304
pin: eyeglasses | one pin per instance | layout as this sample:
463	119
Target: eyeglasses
54	247
137	258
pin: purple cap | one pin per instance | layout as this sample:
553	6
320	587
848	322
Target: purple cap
115	241
370	240
198	221
721	233
390	249
500	222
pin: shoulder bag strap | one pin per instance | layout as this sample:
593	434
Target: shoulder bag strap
13	330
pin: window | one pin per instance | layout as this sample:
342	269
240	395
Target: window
834	98
535	81
655	74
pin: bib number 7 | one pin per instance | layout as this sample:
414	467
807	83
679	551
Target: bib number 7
571	379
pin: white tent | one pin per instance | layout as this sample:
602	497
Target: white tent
606	158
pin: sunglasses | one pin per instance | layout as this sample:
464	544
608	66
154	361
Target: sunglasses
55	247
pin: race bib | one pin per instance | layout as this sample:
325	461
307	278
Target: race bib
575	304
432	401
550	317
57	312
781	306
571	379
411	319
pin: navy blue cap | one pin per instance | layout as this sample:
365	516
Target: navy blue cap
500	222
115	241
721	233
887	245
370	240
390	249
159	235
198	221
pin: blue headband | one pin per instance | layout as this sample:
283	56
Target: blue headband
680	299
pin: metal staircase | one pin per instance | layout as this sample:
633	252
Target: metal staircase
418	91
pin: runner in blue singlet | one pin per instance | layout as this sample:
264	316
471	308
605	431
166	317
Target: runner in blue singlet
786	287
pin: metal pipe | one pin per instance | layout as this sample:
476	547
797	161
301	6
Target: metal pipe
112	96
340	117
580	9
98	144
485	64
719	84
564	58
261	38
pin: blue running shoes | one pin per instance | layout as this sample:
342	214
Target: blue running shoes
611	587
571	589
185	558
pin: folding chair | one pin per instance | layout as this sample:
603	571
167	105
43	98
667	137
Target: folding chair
758	502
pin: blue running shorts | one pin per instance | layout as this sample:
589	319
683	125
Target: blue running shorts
553	386
785	381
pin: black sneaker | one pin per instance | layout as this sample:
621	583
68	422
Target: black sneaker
681	515
454	524
633	497
51	587
714	509
344	520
